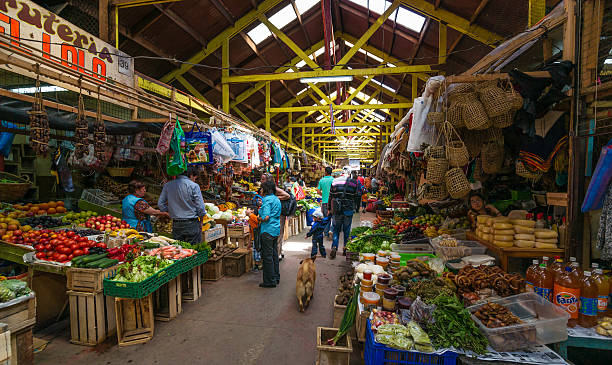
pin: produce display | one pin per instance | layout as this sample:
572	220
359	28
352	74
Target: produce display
125	252
43	221
380	318
372	240
404	337
140	269
10	229
172	252
12	288
415	270
495	315
604	326
345	288
41	208
106	183
106	222
94	261
428	290
80	217
60	246
471	279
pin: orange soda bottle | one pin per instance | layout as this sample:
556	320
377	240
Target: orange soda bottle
530	276
576	270
603	291
589	292
543	282
570	262
557	267
567	295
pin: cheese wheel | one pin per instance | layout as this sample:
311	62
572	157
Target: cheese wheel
545	245
487	236
504	232
483	218
523	222
545	233
498	220
503	243
503	226
524	243
523	229
486	229
547	240
502	237
524	237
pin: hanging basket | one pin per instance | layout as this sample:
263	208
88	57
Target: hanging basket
455	114
522	171
494	135
505	120
458	89
492	158
11	192
516	100
456	152
435	192
495	101
435	152
436	168
473	141
435	118
457	183
474	115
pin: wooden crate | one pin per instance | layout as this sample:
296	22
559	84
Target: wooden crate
237	231
191	282
243	241
22	347
333	355
92	317
220	242
135	323
20	315
213	269
338	314
248	257
214	233
167	300
558	199
88	280
234	264
361	322
5	345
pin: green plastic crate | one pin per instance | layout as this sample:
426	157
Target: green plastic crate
405	257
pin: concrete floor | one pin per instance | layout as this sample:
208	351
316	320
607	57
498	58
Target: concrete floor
235	322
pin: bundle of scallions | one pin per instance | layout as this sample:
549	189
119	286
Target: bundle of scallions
348	319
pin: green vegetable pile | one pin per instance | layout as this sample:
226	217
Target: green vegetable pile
359	230
11	289
372	240
305	205
200	247
454	326
140	269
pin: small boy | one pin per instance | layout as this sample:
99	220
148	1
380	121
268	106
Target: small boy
316	231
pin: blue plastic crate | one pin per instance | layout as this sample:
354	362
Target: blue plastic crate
379	354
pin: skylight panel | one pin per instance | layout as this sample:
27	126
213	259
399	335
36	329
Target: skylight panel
300	64
305	5
283	17
259	33
374	57
319	52
379	116
383	85
301	91
410	20
379	6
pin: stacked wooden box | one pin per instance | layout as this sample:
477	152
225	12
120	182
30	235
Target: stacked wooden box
20	319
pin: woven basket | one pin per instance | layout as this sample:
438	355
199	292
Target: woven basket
522	171
503	121
492	158
435	118
120	171
474	115
456	152
435	192
516	100
494	135
478	169
435	152
473	141
495	101
458	89
454	114
457	183
11	192
436	168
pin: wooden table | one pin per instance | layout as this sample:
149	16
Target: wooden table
505	253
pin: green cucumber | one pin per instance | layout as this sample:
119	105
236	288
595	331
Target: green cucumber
92	258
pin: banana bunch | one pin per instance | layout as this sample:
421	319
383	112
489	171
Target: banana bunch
251	186
127	232
387	201
431	232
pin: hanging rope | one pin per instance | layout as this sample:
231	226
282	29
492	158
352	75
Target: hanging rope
99	134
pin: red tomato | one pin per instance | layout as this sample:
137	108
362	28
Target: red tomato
48	247
41	255
70	234
39	247
50	253
56	255
74	247
82	239
86	251
62	258
70	257
64	250
101	244
54	241
77	252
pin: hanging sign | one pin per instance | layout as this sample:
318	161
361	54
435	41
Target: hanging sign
41	29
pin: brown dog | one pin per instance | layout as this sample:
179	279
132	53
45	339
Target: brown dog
304	287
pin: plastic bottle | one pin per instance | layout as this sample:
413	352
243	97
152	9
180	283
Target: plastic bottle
571	260
530	276
576	270
544	282
549	222
557	267
540	222
567	295
589	291
603	291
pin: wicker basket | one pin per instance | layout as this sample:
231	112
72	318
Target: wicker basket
477	169
435	118
522	171
120	171
503	121
455	114
456	152
458	89
435	192
11	192
516	100
457	183
473	141
492	158
436	168
494	135
474	115
495	101
435	152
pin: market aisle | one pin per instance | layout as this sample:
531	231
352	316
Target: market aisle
236	322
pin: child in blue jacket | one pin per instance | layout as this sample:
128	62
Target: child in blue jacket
316	231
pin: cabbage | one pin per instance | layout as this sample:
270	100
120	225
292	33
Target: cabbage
216	216
211	208
227	215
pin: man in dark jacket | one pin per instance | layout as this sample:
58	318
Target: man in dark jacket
344	192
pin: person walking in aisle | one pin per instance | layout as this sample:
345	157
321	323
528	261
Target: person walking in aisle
343	194
323	189
281	195
316	231
374	184
182	199
269	216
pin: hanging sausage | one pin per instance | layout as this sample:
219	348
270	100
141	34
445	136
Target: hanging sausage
81	133
99	134
39	123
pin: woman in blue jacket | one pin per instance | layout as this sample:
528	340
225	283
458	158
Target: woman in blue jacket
135	210
269	216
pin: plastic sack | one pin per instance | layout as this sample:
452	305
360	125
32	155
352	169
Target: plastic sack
198	146
421	132
163	145
220	148
599	183
175	159
237	143
421	312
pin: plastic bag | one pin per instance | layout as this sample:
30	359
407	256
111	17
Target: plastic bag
198	146
175	159
599	183
163	145
220	148
421	312
421	132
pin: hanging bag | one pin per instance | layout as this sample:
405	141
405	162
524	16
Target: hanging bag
457	183
175	159
198	146
163	145
456	152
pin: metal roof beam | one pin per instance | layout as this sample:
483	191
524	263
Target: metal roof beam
308	108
